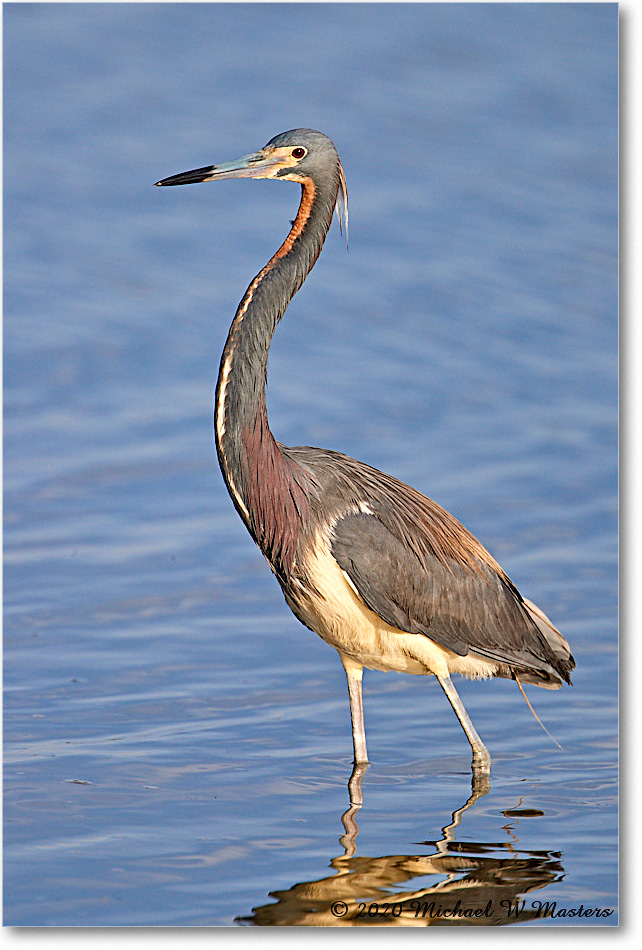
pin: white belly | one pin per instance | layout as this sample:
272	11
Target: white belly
343	620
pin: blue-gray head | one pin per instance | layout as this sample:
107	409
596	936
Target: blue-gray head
301	155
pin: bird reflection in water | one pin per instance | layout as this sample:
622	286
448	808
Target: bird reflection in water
479	884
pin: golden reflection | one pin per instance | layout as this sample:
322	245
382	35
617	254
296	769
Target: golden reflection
467	883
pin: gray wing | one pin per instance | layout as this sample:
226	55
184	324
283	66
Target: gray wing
442	585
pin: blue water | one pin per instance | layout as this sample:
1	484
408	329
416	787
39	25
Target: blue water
177	745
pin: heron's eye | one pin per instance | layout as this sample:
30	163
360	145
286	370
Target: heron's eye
298	152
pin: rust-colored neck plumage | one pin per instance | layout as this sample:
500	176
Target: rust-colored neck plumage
267	490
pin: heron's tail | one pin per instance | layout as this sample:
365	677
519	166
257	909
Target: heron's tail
560	657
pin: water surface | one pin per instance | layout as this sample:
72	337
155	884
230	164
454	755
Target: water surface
177	745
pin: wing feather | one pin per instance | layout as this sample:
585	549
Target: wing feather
467	610
423	572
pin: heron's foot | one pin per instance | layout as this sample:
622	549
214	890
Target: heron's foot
481	761
480	782
481	771
354	785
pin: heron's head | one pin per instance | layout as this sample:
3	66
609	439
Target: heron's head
300	155
294	155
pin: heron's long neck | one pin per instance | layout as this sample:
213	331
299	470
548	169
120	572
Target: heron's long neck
263	484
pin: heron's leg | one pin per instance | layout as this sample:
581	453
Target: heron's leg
354	676
481	755
354	785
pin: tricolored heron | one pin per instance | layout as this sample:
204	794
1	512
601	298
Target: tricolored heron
380	572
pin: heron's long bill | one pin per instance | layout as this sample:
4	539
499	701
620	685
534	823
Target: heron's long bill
256	165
